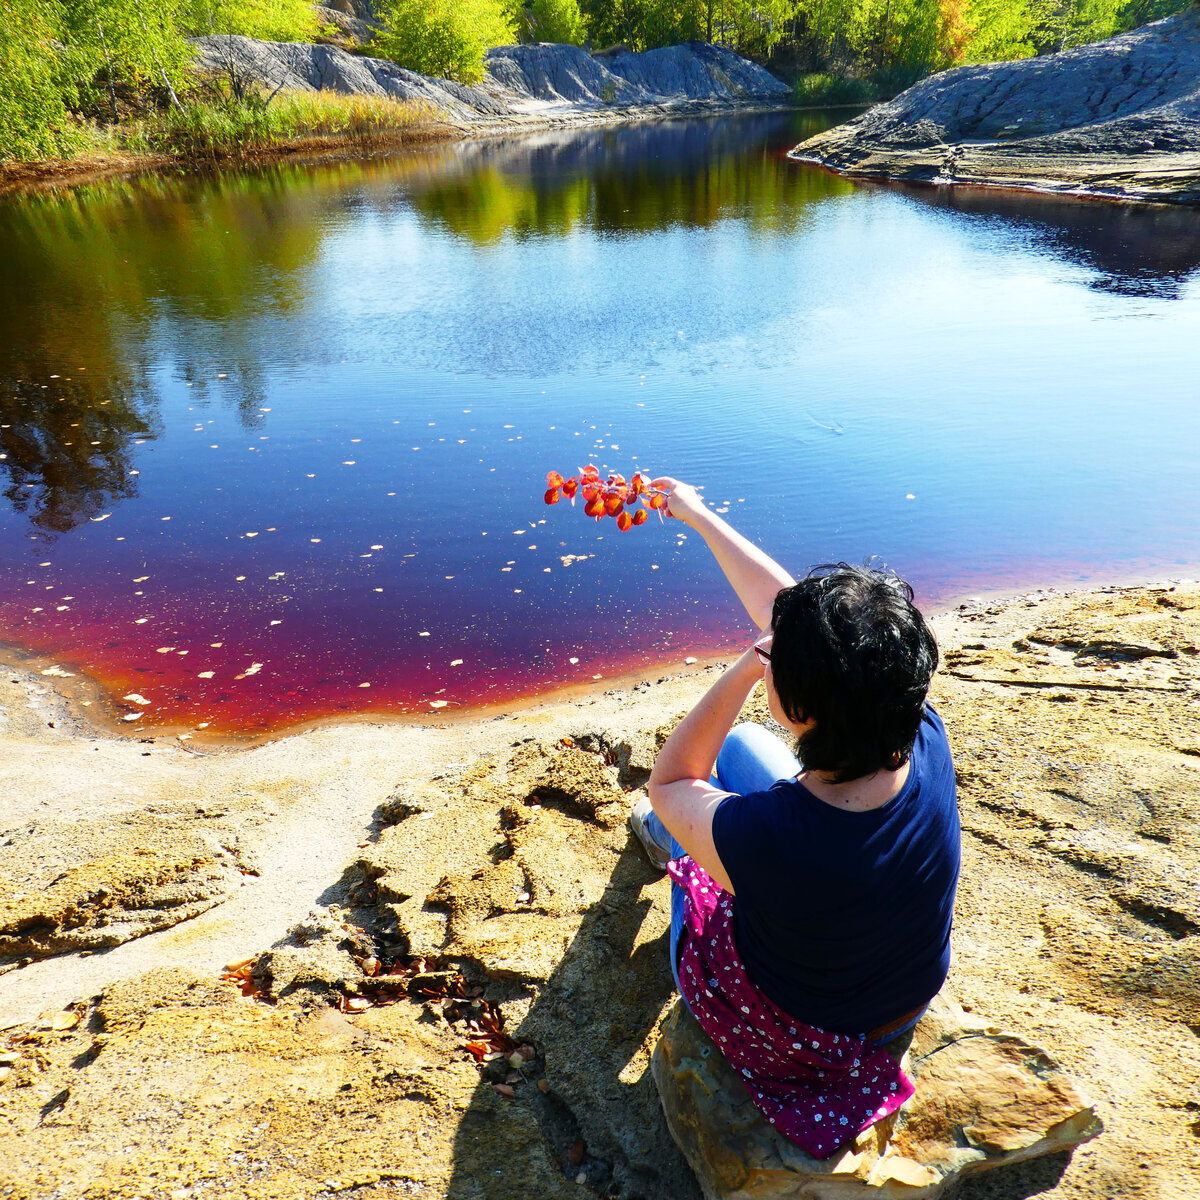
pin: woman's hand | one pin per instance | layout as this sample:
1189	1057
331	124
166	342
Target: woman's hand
683	501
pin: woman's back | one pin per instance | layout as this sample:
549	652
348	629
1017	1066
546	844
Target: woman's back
843	918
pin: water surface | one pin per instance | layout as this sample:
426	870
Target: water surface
275	443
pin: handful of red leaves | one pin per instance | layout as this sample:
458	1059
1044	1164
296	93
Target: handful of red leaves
614	497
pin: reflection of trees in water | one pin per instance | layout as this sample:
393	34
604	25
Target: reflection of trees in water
1137	249
636	179
99	282
68	450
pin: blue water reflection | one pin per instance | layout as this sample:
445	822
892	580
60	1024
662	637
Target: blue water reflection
220	397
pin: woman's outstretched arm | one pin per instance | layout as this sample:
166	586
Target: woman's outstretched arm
754	575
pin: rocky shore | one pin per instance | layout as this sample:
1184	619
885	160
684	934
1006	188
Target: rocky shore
523	86
525	89
389	961
1118	118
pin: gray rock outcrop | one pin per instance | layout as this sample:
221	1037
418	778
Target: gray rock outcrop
984	1099
541	80
1119	117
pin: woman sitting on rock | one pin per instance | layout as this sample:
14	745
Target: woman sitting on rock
812	896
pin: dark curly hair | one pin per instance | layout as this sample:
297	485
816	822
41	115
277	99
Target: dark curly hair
852	653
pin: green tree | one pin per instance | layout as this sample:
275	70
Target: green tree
443	38
269	20
553	21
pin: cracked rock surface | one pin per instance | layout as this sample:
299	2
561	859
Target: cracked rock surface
1115	118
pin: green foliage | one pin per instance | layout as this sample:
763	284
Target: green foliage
33	111
269	20
553	21
818	89
442	38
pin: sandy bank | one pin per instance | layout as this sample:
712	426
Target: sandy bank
440	881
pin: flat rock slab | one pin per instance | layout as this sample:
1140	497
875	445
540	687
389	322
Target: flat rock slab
984	1099
1118	118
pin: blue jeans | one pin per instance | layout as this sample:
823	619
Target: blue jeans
751	760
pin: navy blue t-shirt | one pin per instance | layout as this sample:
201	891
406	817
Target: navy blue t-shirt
843	918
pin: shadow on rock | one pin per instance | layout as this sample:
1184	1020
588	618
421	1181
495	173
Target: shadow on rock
593	1022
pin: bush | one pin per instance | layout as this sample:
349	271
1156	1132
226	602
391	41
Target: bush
33	115
818	90
442	38
268	20
553	21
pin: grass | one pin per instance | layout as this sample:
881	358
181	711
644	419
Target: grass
219	126
818	89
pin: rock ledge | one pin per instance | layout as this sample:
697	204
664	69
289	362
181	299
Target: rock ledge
1118	118
984	1099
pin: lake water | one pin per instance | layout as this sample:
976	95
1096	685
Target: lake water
275	443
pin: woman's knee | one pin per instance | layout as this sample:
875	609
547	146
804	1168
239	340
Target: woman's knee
752	758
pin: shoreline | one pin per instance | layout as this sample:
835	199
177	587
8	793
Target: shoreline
31	178
497	848
72	700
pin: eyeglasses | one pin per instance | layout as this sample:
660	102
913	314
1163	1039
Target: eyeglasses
764	655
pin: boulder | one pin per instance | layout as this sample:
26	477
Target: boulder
1119	117
985	1098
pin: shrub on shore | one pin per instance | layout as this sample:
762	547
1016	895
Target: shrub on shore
818	90
442	38
553	21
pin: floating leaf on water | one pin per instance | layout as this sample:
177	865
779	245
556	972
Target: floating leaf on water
136	697
141	620
456	662
101	517
572	661
254	668
132	717
164	649
376	547
58	672
364	685
689	660
276	622
141	579
205	674
423	633
438	703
